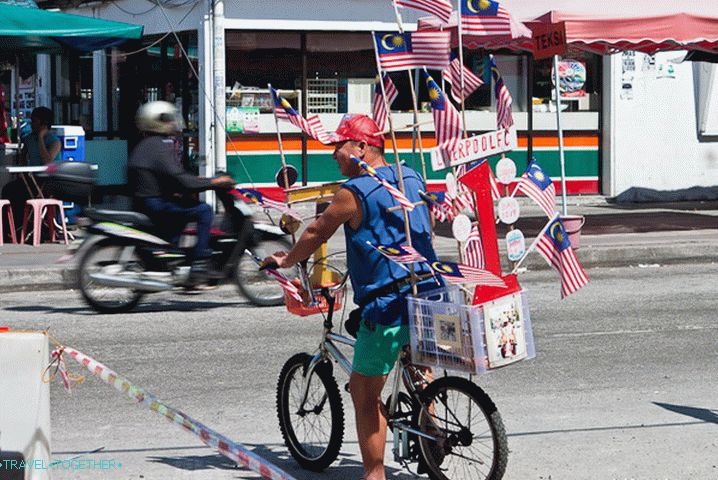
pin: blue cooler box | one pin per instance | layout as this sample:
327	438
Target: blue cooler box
72	142
72	149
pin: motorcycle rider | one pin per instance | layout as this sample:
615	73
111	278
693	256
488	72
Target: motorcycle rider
163	190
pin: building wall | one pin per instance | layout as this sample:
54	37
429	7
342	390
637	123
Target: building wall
655	134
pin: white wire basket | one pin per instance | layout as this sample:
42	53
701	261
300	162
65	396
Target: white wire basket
448	334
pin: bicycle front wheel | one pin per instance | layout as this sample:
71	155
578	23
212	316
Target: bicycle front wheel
313	429
470	436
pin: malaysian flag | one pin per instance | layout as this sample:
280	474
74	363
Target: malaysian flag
440	206
474	250
447	121
406	51
256	196
536	185
439	8
286	284
484	17
400	253
504	118
555	247
452	75
380	114
460	273
312	126
393	191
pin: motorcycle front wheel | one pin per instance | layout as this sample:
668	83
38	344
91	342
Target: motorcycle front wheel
256	286
107	258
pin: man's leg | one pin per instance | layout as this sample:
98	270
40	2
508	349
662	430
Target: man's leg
203	215
371	423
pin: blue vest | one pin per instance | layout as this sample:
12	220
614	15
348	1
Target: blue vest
369	269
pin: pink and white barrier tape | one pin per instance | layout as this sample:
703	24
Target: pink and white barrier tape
232	450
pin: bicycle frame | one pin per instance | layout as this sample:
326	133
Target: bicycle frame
329	350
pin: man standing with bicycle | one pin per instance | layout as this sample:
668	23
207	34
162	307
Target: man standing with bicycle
380	285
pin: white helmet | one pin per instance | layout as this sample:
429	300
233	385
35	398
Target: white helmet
159	117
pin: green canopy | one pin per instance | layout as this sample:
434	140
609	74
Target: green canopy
35	30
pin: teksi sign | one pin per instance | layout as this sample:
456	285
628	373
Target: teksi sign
476	147
549	40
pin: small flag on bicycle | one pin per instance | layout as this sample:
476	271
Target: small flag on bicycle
399	253
265	202
473	249
459	273
380	113
452	75
440	206
555	246
285	283
312	126
393	191
538	187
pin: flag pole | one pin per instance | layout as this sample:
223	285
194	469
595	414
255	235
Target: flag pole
535	242
407	227
560	135
279	139
281	150
463	108
414	100
461	66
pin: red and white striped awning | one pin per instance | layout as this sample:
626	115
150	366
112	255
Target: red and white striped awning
603	35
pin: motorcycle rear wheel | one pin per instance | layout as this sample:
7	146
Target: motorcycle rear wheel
103	258
256	286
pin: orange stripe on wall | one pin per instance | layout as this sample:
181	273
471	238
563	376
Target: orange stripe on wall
267	143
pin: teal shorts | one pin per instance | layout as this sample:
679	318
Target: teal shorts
376	351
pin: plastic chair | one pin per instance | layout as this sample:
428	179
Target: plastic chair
35	208
10	222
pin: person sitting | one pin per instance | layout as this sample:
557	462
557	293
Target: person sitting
163	190
40	147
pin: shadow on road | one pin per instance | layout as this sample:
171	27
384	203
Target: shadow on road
162	306
343	467
705	414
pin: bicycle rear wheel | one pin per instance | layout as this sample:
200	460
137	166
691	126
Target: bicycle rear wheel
314	430
471	439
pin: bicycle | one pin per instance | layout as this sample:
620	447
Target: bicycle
432	421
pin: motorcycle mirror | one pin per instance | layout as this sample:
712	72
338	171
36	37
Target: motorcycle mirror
291	176
289	224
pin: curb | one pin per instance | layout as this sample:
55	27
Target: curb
64	277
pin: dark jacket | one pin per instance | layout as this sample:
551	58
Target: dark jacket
152	171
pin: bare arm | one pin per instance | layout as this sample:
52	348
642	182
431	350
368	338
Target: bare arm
343	208
47	154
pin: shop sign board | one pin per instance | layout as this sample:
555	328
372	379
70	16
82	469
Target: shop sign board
476	147
549	40
242	120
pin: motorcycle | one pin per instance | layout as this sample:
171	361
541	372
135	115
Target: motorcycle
123	258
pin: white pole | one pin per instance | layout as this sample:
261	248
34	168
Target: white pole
220	147
560	135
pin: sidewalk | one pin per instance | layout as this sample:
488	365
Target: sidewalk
614	235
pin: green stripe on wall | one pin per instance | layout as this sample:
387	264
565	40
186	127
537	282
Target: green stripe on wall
323	168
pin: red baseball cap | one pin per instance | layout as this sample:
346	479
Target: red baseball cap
360	128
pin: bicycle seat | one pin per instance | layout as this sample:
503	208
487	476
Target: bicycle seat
127	218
